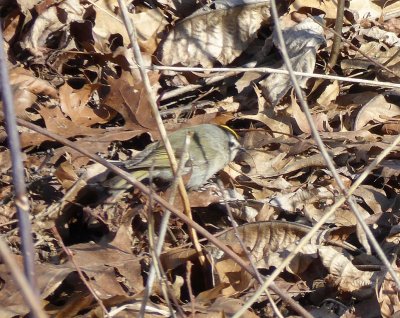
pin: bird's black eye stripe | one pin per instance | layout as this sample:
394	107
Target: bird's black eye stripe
231	144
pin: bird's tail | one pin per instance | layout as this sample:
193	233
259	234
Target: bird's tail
116	186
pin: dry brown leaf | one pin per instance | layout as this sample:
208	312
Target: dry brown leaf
376	199
177	257
389	38
128	97
266	114
294	201
5	160
182	8
392	24
263	238
210	36
66	175
390	168
101	264
74	103
11	22
57	123
233	276
27	5
224	307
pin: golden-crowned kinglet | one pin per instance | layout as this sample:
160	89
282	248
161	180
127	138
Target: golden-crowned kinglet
211	148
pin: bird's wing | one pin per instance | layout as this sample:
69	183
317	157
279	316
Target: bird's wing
156	158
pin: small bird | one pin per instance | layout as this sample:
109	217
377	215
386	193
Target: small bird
211	148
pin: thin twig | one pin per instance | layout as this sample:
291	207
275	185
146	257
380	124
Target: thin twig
189	88
237	234
157	248
274	306
155	269
189	266
238	70
25	288
21	199
79	271
130	28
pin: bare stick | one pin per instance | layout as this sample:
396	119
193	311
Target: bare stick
156	267
25	288
157	248
337	39
21	199
238	70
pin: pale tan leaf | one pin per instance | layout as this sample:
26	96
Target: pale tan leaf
213	36
49	21
302	42
389	38
376	110
149	23
66	175
365	9
329	94
348	277
389	296
27	5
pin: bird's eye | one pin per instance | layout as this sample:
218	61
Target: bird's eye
231	144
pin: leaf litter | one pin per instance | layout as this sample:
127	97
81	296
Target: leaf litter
72	72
